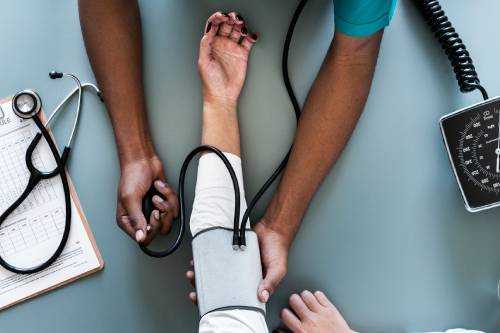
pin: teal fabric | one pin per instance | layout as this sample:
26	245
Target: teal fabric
361	18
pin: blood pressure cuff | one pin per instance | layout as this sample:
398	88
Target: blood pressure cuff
226	279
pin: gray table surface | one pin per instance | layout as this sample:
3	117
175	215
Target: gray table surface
387	236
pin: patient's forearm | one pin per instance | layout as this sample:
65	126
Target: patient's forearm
220	127
331	111
112	34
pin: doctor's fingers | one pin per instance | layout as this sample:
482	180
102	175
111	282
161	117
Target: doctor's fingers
133	207
167	205
154	226
191	279
170	196
193	297
124	223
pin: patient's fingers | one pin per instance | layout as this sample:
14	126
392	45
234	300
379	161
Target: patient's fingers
211	28
239	28
226	27
323	300
213	22
298	306
249	41
239	32
311	301
290	320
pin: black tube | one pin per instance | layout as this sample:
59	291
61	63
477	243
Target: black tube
67	198
454	47
182	206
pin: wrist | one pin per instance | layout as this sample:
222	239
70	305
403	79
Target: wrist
139	152
218	103
282	220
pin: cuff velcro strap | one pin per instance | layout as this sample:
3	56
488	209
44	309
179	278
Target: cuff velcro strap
226	278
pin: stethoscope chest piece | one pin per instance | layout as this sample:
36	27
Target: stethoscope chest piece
26	104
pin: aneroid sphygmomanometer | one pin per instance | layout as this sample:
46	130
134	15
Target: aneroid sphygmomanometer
471	134
27	104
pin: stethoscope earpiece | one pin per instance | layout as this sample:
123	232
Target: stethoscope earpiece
55	75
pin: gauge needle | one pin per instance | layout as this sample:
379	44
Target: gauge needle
497	151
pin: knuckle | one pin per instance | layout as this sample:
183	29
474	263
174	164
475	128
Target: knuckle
126	195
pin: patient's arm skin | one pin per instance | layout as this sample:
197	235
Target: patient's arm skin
223	66
331	111
112	34
313	313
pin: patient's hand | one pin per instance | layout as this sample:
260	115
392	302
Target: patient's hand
313	313
224	51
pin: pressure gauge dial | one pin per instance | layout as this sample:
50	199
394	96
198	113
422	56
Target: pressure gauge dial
472	138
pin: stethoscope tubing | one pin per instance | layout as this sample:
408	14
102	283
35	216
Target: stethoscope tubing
31	184
36	175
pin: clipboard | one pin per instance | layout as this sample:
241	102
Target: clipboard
87	232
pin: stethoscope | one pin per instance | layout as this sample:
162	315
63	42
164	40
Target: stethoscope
27	104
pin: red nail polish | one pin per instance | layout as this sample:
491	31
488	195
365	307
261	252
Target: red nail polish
225	14
255	36
239	17
244	30
209	26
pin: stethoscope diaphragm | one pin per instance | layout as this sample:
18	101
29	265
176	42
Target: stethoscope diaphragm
26	104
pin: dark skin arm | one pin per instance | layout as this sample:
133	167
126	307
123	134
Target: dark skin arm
331	112
113	38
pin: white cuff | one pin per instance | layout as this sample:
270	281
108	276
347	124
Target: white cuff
214	199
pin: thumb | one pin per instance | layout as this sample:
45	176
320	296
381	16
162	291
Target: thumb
137	219
274	274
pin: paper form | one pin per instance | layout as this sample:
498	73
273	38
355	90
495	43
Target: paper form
32	232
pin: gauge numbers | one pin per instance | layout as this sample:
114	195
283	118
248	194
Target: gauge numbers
472	138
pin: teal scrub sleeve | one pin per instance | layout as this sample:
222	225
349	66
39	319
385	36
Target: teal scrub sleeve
362	18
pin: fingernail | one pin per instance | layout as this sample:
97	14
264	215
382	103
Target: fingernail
239	17
265	295
158	199
139	235
160	183
157	214
225	14
209	26
255	36
244	30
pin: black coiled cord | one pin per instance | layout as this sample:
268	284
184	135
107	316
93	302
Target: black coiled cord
453	46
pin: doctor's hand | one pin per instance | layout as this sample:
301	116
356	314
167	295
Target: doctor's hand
224	51
136	178
274	247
